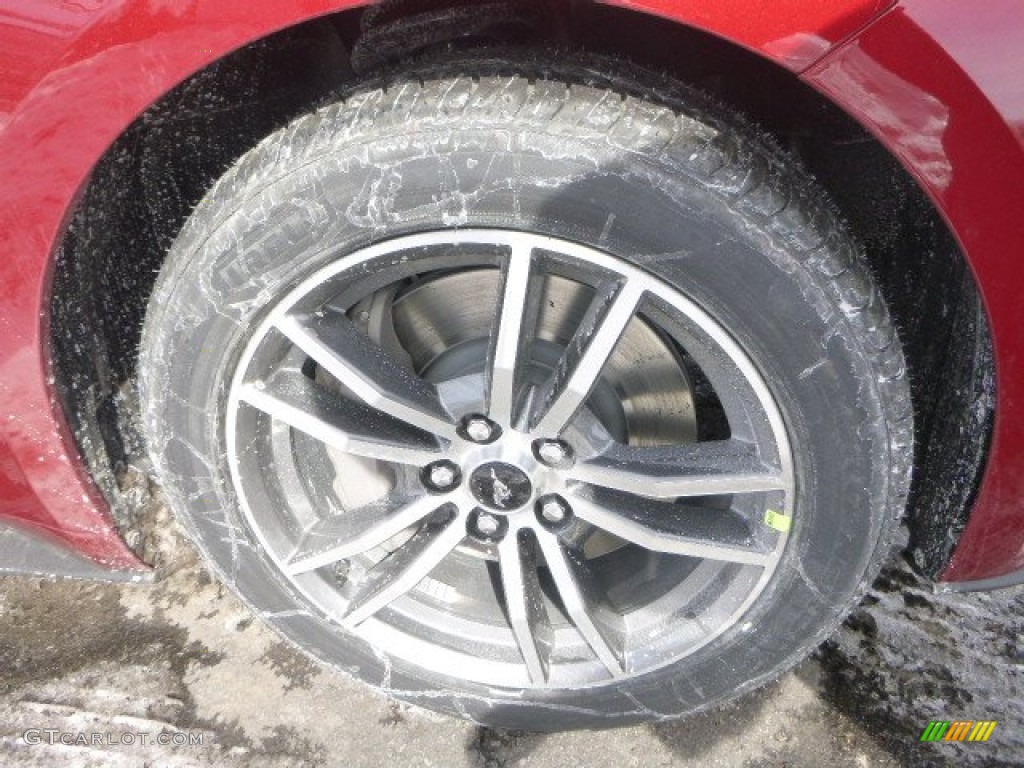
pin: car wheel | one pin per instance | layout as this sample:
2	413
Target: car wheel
531	395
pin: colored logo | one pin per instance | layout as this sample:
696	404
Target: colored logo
958	730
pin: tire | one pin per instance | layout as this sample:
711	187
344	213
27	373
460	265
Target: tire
610	369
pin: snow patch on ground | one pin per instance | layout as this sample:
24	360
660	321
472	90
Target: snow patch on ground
909	655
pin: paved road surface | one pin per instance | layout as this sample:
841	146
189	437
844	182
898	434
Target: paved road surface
183	657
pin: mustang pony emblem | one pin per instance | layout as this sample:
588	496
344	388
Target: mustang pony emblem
500	493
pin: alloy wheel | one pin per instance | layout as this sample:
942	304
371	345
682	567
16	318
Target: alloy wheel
509	458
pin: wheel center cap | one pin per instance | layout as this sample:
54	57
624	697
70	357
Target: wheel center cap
500	487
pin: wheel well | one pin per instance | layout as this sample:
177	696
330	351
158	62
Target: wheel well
147	183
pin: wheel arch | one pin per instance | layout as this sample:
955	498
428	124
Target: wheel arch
134	210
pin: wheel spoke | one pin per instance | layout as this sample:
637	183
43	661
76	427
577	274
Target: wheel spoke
358	530
403	569
299	402
524	603
694	469
580	367
577	589
713	534
335	343
516	308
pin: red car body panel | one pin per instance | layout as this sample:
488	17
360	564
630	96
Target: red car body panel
944	90
75	75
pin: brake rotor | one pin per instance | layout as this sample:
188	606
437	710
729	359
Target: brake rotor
450	316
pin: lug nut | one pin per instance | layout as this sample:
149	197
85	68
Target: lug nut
441	476
554	453
478	429
553	509
486	524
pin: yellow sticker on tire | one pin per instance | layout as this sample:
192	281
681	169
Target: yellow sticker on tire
777	520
